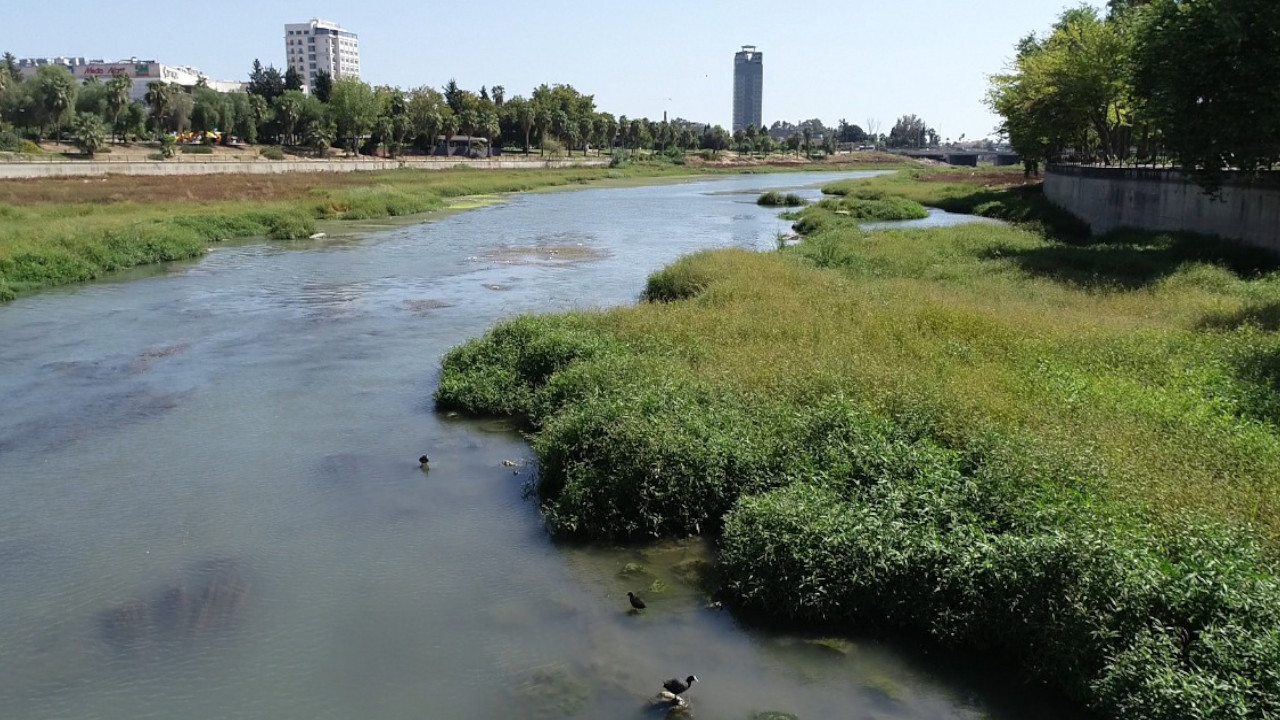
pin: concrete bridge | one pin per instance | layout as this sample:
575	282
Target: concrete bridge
969	158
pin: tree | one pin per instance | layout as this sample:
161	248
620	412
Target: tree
55	95
499	95
118	92
716	139
354	109
492	129
266	83
293	79
909	132
453	96
208	112
288	111
449	128
1071	89
89	135
847	133
158	99
319	135
523	111
1208	75
322	89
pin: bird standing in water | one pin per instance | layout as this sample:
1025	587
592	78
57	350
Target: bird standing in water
676	687
636	603
423	462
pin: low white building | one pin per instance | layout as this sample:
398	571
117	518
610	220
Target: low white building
143	72
321	45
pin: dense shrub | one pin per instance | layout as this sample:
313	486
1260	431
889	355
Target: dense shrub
289	225
777	199
1132	625
272	152
501	373
10	141
196	150
681	280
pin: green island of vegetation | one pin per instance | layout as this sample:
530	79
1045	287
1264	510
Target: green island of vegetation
1012	439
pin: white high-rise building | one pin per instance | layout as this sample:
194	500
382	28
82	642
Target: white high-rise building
321	45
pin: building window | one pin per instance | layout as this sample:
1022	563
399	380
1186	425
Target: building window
313	66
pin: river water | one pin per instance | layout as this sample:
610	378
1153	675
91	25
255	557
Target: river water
211	506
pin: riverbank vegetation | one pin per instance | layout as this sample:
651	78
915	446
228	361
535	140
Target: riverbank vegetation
60	231
55	232
1059	451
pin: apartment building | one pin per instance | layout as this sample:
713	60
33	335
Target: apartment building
321	45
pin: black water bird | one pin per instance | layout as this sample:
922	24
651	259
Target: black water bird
423	461
676	687
636	602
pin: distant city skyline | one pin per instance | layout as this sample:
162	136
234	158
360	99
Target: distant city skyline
870	60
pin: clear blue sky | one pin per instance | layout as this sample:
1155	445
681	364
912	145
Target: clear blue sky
855	60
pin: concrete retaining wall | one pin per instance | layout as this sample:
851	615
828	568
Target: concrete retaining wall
1164	200
20	170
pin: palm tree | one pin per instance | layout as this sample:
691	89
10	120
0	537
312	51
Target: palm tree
89	134
289	112
159	98
492	128
543	118
808	141
560	124
499	94
586	132
449	124
118	89
468	121
432	123
57	91
525	116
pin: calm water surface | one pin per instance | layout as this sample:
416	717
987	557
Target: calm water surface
210	505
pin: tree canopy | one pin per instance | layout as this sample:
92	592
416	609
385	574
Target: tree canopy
1196	82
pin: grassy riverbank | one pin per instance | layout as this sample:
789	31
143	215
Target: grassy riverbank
60	231
1065	452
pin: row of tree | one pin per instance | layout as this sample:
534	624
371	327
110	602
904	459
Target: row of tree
274	109
1193	82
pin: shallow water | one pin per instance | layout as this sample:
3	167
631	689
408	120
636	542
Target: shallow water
937	219
212	506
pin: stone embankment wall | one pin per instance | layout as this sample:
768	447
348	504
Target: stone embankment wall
1164	200
90	168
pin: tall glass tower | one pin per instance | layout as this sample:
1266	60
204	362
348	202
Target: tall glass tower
748	87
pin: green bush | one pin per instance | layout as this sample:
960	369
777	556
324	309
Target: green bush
777	199
501	373
196	150
30	148
681	280
10	141
1133	623
272	152
289	226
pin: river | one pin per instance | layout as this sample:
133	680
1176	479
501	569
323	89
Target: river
212	506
